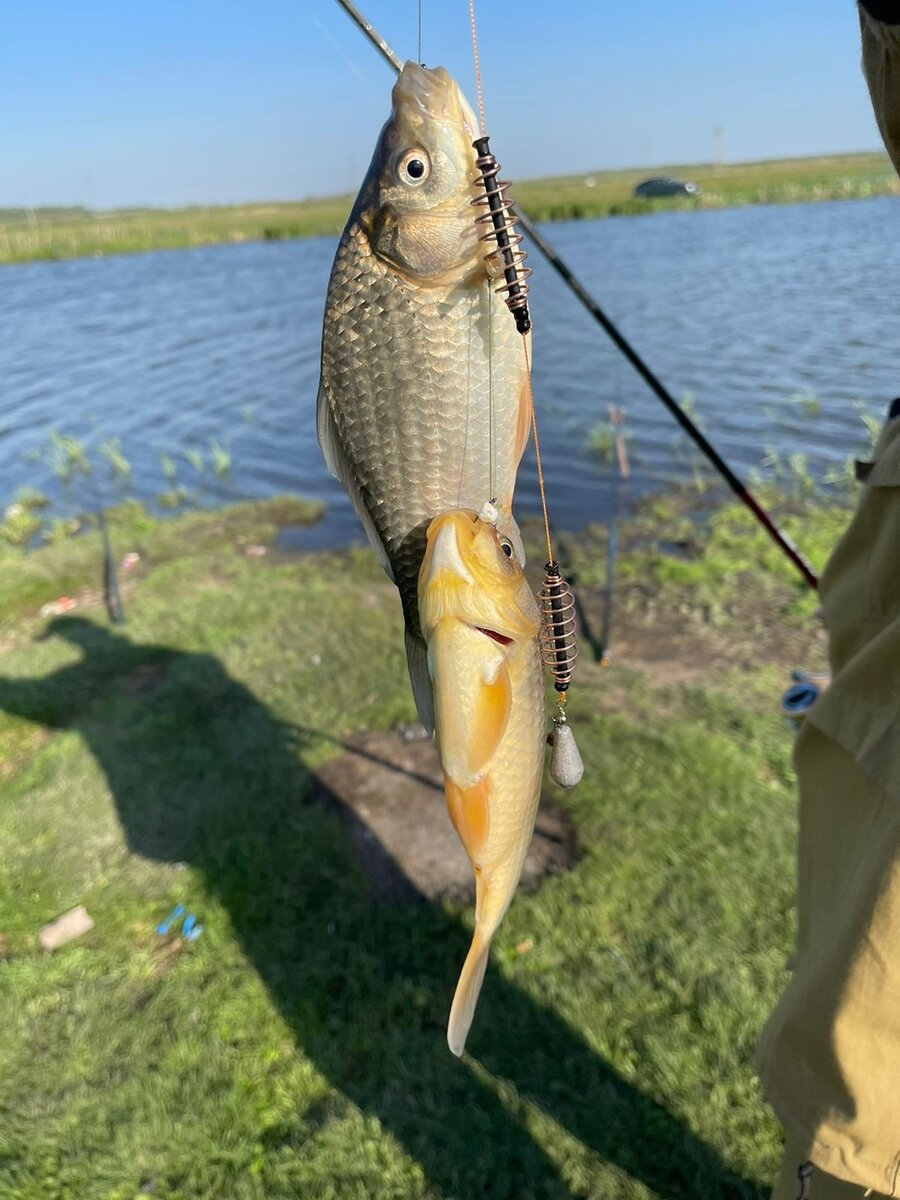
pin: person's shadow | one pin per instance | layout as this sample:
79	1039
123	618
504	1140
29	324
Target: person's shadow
202	772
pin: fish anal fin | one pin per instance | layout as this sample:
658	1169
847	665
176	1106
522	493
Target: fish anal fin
340	468
470	813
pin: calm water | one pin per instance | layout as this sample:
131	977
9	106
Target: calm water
743	309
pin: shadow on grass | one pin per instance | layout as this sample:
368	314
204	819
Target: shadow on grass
202	772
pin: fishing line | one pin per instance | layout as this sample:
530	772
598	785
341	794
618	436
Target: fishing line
419	59
477	68
490	357
462	467
537	453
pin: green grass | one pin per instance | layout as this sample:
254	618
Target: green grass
27	234
779	181
78	233
297	1048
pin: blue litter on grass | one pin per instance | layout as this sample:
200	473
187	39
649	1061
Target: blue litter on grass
177	911
190	930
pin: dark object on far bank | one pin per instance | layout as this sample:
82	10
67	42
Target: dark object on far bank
665	185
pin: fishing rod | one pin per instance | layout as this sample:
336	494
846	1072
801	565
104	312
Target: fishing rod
740	489
616	419
111	594
373	35
703	443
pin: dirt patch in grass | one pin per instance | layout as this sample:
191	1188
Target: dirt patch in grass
674	644
388	787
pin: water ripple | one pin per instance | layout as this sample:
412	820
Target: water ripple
743	309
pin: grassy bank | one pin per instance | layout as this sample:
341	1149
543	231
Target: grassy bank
297	1047
73	233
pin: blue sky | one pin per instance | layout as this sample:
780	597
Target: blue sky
195	101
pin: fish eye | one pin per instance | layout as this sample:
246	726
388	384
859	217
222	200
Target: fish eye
414	167
506	546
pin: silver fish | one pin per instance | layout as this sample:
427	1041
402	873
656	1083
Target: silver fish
424	404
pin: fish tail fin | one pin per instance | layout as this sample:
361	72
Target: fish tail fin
420	679
467	991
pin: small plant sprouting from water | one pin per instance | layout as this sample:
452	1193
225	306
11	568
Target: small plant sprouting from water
21	521
610	442
31	497
687	453
772	462
221	458
167	465
809	403
93	478
175	494
120	468
174	497
602	441
19	525
844	476
195	458
794	475
872	423
66	456
802	483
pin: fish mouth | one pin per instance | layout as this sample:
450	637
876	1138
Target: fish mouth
428	89
433	92
494	635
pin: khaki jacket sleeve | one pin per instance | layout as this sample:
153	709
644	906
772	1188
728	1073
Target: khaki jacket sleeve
881	66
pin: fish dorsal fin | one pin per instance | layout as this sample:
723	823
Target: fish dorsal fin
336	461
472	698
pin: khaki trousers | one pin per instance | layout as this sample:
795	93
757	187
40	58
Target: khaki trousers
800	1180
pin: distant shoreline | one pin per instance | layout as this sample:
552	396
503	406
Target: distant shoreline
30	235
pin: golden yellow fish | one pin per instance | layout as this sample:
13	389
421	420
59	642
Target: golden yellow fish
423	400
481	622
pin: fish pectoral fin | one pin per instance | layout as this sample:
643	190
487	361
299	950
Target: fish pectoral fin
419	678
467	992
472	698
490	716
336	461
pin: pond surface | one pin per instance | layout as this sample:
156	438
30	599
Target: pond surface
750	312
